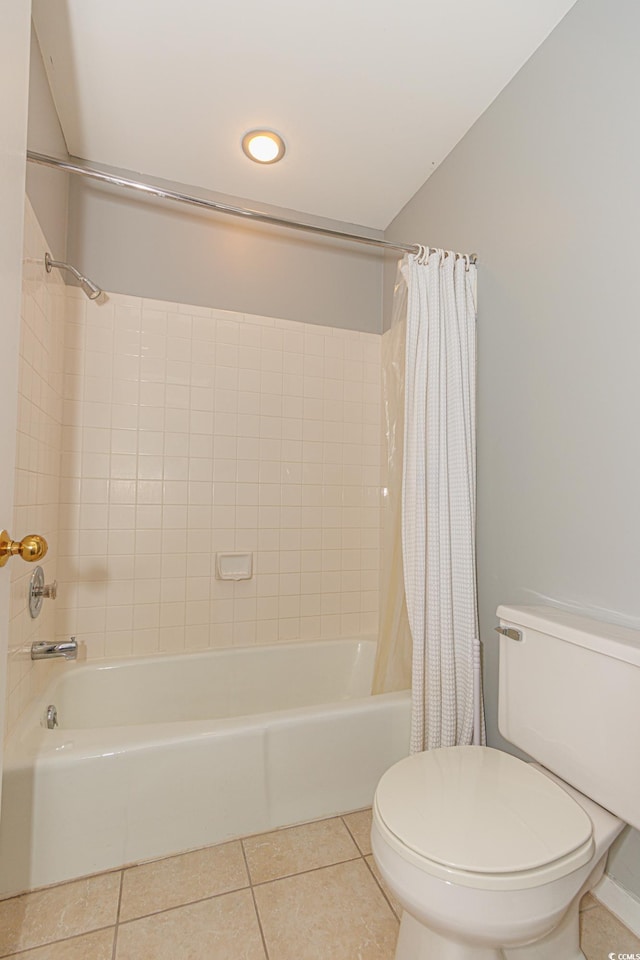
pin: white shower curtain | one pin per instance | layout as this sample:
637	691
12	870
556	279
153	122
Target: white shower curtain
438	496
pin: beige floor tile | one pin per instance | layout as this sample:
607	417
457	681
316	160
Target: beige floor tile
588	902
337	912
296	849
602	934
66	910
359	825
225	928
397	907
91	946
175	881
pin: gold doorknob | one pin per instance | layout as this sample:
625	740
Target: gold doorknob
31	548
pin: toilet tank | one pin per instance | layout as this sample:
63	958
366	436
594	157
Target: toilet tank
569	695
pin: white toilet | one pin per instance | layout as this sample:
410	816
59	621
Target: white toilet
488	855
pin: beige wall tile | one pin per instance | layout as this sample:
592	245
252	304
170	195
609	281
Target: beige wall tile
172	882
337	912
218	430
225	928
143	425
285	852
92	946
38	446
63	911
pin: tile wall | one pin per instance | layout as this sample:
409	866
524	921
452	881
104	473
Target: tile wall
152	435
189	431
37	462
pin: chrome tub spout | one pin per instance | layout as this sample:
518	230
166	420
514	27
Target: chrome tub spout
49	650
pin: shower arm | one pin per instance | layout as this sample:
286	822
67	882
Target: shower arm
91	289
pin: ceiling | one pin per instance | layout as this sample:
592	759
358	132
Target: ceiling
369	96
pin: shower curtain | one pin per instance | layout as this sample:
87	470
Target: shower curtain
393	660
438	497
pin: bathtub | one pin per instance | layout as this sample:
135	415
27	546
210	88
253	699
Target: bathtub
165	754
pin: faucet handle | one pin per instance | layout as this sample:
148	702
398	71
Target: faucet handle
50	590
40	591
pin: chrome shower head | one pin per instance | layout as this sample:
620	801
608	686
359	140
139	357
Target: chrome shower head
91	289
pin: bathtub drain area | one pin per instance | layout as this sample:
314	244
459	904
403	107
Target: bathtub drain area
51	717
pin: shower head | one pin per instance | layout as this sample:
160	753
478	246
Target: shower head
88	286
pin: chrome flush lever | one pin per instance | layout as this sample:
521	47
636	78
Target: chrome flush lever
509	632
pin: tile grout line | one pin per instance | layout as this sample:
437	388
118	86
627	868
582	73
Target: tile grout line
300	873
53	943
250	885
352	835
208	846
589	906
381	889
115	932
179	906
370	869
64	883
255	905
224	893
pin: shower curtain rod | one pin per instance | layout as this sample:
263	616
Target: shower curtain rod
128	179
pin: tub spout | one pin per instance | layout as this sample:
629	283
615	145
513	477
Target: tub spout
46	650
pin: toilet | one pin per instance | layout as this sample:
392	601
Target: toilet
490	855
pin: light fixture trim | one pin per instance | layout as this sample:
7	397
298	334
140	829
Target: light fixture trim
265	135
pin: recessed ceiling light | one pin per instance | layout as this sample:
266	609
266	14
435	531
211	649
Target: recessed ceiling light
263	146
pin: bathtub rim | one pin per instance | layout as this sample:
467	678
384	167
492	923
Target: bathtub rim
31	742
42	746
110	663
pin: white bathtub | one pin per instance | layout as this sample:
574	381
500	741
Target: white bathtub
160	755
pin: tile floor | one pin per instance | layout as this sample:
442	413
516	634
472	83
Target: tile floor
308	892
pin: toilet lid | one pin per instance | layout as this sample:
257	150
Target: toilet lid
480	810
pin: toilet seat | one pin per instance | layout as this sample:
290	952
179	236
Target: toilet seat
480	817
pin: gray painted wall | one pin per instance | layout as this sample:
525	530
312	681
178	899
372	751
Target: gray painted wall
48	190
545	188
156	249
165	251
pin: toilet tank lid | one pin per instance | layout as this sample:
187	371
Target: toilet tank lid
609	639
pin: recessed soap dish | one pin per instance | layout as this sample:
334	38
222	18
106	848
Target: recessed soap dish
234	566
